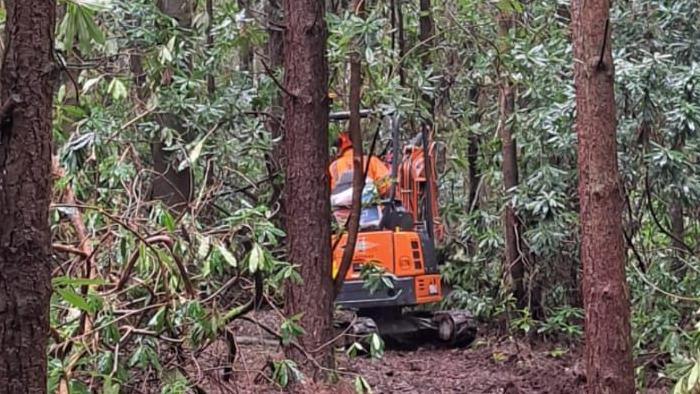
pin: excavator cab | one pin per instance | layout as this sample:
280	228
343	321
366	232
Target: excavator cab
403	246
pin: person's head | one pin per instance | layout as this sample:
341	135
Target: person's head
343	141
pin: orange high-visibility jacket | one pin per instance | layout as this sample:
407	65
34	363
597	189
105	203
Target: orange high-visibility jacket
377	171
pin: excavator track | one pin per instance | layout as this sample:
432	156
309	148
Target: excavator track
409	330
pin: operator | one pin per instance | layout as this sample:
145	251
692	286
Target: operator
341	171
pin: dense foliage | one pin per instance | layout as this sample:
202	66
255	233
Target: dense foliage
141	289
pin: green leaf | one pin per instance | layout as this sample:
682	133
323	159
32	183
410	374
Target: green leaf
290	329
94	31
167	220
90	83
73	298
228	256
204	247
67	28
376	346
296	373
361	386
694	377
510	6
281	374
369	55
196	151
354	349
166	52
94	5
158	319
256	259
117	89
109	387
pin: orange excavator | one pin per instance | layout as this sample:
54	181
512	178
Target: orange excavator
402	246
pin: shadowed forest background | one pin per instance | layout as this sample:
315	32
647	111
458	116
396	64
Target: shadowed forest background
187	141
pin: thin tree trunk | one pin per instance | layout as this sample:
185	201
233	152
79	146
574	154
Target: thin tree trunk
173	187
211	81
307	188
513	252
426	33
675	213
27	81
275	57
358	176
473	150
606	296
245	53
402	41
392	18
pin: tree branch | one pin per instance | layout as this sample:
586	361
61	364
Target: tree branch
271	74
647	191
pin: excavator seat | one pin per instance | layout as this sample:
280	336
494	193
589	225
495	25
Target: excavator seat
396	218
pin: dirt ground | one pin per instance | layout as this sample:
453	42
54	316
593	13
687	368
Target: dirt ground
498	367
489	365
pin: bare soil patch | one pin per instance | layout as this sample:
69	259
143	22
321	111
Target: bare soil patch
488	366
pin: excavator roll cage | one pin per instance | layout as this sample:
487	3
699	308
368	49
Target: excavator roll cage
414	189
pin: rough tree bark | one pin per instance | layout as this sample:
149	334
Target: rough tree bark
307	188
513	257
26	91
606	296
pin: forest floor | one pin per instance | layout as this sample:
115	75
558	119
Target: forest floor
489	365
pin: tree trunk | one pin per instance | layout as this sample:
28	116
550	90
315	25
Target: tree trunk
275	57
307	188
28	73
211	81
606	297
401	41
173	187
675	212
513	252
245	53
358	176
427	32
475	95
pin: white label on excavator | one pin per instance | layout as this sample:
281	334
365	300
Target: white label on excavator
363	246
